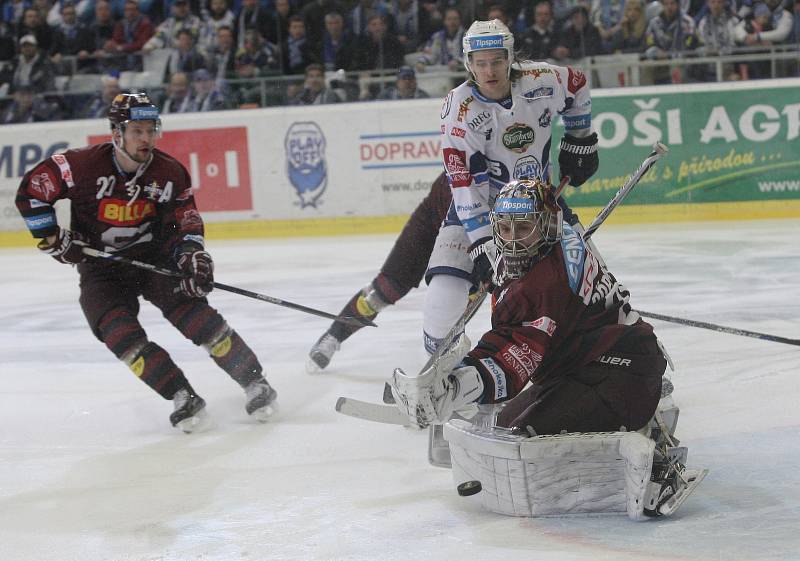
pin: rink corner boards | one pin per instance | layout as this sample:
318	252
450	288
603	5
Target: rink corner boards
349	226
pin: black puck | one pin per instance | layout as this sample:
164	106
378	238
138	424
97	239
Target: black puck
469	488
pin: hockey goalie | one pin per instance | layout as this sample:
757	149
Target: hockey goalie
573	377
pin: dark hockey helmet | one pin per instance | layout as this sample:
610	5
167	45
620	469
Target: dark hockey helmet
128	107
526	222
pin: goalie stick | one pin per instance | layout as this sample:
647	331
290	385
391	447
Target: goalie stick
388	413
350	320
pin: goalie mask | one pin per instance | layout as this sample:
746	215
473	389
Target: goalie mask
487	35
526	222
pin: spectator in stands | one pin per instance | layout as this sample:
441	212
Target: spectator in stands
207	95
31	68
716	30
71	38
378	49
405	86
411	23
629	38
33	24
336	49
769	24
444	48
185	57
83	11
130	35
97	107
314	91
795	36
218	15
498	11
178	99
27	107
8	44
221	56
669	34
257	57
716	36
434	17
607	16
253	16
298	51
314	13
166	35
102	33
540	39
579	38
361	14
14	11
279	23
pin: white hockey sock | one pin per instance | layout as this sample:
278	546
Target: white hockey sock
445	301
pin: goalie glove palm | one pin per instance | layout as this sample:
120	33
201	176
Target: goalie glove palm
440	391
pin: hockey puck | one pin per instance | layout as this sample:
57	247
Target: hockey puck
469	488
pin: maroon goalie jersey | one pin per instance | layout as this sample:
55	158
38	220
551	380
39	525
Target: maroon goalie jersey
114	210
564	314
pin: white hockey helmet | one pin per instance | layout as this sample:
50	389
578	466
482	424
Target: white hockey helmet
486	35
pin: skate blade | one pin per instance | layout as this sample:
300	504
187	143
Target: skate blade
673	503
264	414
196	423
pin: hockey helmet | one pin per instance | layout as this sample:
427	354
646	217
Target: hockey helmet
486	35
128	107
526	222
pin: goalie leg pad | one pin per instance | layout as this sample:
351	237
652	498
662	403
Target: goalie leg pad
578	473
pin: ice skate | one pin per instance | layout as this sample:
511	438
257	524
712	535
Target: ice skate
320	355
260	402
189	414
670	483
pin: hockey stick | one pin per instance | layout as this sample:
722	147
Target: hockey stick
723	329
389	413
349	320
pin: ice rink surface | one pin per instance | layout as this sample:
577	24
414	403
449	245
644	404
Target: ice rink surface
90	468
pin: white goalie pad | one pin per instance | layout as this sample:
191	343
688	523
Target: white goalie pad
451	253
557	475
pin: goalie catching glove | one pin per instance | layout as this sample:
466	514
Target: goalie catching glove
196	264
578	158
67	247
444	389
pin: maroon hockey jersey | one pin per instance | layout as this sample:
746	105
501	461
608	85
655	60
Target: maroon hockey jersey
565	313
114	212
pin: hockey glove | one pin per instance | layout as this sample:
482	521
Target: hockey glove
444	389
578	158
196	263
483	253
67	247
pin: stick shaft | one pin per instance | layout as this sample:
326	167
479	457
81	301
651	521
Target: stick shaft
356	322
721	328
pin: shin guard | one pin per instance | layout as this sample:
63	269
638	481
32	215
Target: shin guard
123	335
232	354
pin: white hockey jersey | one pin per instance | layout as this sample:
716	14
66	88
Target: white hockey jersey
485	145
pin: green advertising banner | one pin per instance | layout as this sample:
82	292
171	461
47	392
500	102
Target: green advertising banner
728	143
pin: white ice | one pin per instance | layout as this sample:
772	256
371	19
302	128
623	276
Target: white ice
90	468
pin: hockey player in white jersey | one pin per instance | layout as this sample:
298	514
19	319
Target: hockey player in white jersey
496	127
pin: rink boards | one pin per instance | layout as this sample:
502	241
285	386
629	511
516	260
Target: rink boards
362	167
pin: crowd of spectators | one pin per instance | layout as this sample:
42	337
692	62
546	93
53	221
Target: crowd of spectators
217	52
